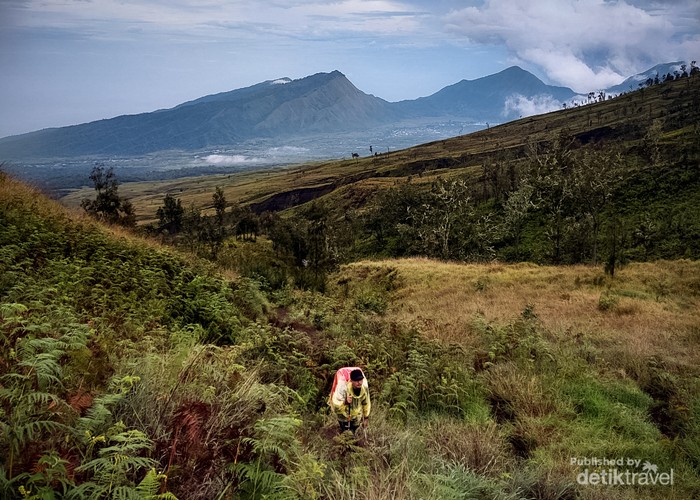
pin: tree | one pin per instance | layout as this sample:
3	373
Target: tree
515	212
247	224
652	141
595	175
108	206
447	210
219	200
171	214
549	174
191	227
313	240
389	220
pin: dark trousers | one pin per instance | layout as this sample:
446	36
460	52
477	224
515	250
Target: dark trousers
348	426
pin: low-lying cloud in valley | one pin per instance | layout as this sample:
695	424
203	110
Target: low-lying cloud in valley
524	106
228	160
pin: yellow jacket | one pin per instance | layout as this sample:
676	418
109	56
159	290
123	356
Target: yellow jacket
360	407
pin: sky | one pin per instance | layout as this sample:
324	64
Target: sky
66	62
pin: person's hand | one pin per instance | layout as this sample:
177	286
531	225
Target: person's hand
365	422
349	399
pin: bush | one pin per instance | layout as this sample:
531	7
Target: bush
607	302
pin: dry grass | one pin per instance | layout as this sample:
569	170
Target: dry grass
519	394
482	448
656	311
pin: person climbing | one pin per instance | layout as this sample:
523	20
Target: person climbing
350	399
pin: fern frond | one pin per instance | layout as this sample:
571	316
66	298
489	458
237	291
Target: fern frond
85	490
150	484
126	493
9	378
12	312
191	418
123	456
98	416
257	480
42	398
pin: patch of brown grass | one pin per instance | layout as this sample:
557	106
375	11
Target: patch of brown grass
481	448
656	307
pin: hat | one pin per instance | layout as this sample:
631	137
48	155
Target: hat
356	375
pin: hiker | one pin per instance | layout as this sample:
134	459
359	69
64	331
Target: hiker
350	398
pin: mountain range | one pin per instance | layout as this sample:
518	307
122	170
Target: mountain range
321	103
283	108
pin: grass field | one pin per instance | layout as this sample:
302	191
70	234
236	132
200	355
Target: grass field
648	309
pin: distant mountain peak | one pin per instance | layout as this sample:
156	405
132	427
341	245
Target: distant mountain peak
660	70
514	69
281	81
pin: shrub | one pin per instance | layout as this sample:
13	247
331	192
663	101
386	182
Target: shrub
607	302
514	392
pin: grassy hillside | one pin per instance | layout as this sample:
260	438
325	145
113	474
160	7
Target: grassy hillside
129	370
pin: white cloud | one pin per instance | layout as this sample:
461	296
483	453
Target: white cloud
287	150
219	17
585	44
523	106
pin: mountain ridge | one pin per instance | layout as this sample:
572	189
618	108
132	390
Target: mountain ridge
317	104
314	104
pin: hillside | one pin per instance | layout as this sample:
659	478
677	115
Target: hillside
130	369
649	206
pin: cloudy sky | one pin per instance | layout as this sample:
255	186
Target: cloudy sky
71	61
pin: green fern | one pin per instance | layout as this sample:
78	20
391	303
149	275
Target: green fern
274	436
150	485
32	412
51	479
257	481
113	471
274	440
99	416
